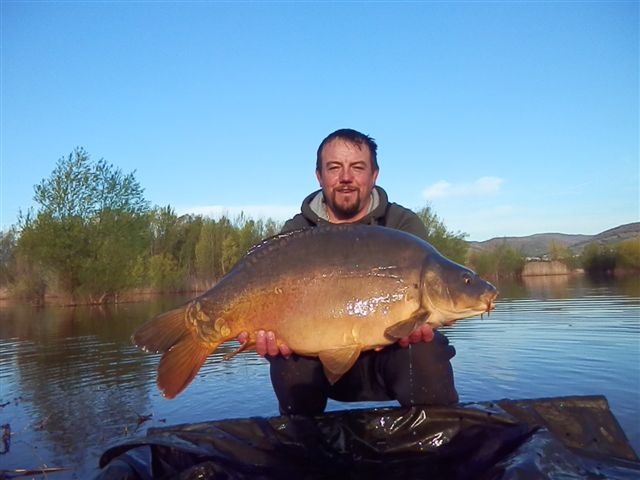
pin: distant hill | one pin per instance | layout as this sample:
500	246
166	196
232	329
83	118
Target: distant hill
537	245
611	236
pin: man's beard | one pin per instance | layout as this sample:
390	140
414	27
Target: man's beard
345	210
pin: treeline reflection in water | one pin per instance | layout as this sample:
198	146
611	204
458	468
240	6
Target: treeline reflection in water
71	383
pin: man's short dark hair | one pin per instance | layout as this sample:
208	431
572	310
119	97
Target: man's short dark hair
351	136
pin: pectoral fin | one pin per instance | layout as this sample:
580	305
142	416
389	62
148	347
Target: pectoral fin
243	346
405	327
338	361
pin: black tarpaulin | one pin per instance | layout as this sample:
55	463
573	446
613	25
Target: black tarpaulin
568	437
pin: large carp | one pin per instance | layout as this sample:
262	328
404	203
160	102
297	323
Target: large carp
331	291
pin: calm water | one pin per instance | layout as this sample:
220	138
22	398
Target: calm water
71	384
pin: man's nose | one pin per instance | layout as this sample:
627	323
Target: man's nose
346	176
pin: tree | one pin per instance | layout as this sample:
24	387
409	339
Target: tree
83	189
559	252
90	227
502	261
7	257
628	254
450	244
231	251
164	230
175	237
598	259
164	273
207	250
190	233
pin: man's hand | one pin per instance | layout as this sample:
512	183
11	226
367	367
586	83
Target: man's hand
424	333
266	344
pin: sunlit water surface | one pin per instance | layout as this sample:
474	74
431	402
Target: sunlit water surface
71	383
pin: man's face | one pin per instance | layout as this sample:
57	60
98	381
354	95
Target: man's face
347	179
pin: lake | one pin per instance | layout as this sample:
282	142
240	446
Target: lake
71	383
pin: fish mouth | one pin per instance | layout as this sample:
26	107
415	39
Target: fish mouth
490	304
449	317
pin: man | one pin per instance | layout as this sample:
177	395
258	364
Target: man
415	370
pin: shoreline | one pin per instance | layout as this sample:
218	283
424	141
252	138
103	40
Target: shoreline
142	294
56	300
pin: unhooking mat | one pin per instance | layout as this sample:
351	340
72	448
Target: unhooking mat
555	438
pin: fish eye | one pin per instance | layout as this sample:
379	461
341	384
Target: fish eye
467	279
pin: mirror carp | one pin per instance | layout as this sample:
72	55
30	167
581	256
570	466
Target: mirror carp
330	291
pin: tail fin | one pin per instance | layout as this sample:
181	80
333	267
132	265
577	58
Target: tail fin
162	332
180	364
183	355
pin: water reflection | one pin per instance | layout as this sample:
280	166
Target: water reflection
548	286
71	382
567	286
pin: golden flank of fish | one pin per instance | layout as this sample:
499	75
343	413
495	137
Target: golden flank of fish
332	291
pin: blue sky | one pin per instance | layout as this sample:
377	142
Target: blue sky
508	118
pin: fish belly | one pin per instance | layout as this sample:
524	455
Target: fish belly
332	313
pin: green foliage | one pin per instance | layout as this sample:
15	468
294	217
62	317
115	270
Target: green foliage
28	280
115	242
59	247
165	274
207	249
222	243
628	254
561	253
29	285
81	188
175	236
558	251
8	242
89	230
598	259
94	236
231	251
450	244
502	261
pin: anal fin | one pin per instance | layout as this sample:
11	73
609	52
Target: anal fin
338	361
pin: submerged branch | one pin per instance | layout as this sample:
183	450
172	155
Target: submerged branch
22	472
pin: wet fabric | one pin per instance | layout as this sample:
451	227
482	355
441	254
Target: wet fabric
569	437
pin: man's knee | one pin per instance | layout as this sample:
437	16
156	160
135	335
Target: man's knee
422	373
299	384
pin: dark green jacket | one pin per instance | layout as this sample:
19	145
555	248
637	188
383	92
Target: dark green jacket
383	213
